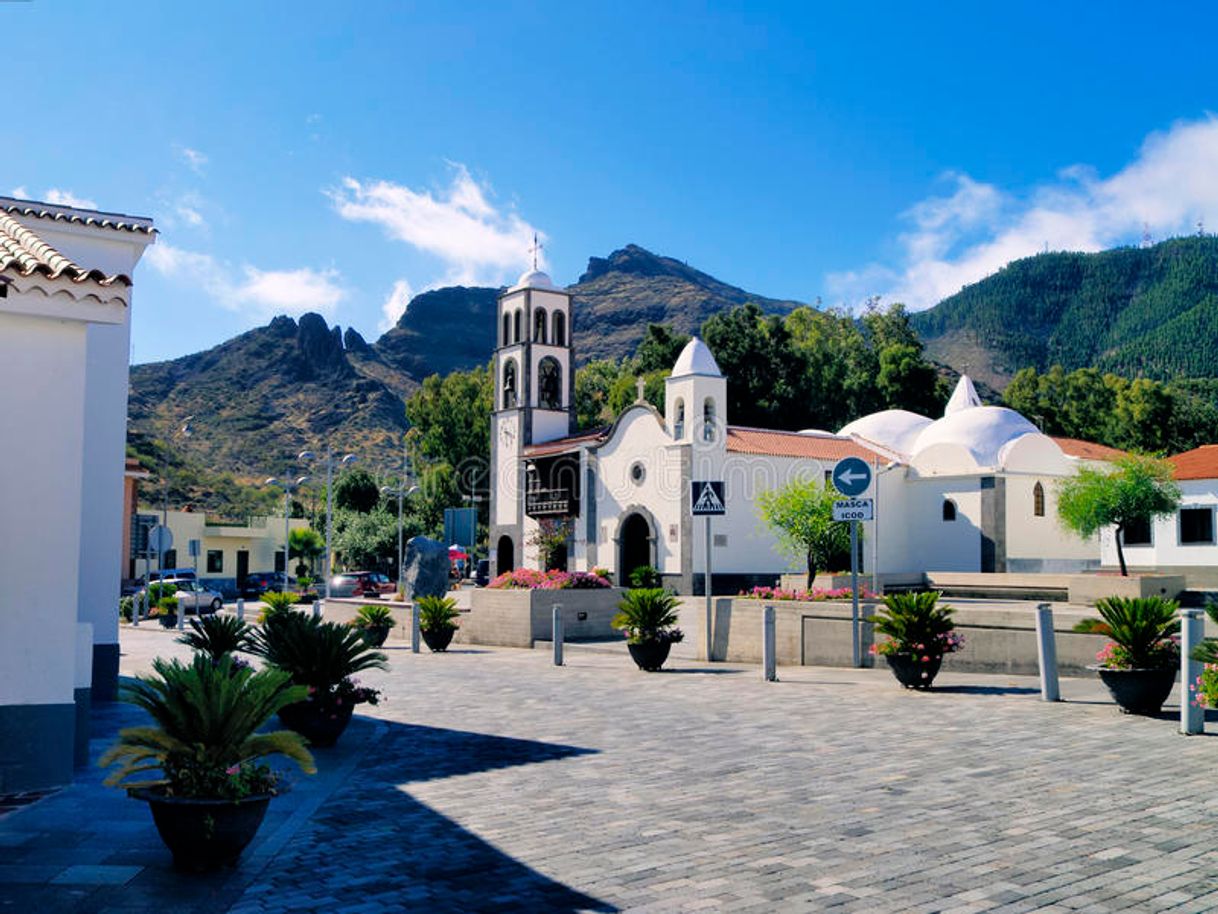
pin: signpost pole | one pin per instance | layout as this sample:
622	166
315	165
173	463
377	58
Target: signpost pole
854	586
710	635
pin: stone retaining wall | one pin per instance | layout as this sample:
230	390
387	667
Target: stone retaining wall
517	618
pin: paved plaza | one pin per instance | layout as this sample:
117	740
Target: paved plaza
490	780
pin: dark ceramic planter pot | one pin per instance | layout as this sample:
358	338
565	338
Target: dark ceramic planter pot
912	672
321	727
650	655
205	834
1138	691
375	637
168	621
438	639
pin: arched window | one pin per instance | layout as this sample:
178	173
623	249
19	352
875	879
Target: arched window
708	420
539	325
949	509
516	327
509	384
678	424
1038	500
507	329
560	329
549	384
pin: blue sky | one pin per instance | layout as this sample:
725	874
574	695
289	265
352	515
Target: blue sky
341	156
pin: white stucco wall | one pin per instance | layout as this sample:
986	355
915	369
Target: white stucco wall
42	377
1165	549
1042	538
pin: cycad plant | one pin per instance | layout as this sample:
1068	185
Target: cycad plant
323	656
276	602
1142	630
437	614
373	617
205	742
648	615
916	624
217	636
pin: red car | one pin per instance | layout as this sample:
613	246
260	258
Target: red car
361	584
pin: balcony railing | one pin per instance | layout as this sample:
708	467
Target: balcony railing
549	502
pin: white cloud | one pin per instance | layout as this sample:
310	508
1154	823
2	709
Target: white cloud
20	192
476	242
962	237
395	305
67	198
260	294
196	161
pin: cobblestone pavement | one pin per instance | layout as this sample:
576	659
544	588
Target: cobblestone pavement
491	780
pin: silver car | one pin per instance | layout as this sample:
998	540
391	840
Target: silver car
194	596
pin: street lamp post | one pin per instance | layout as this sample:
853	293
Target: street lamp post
402	489
347	460
288	486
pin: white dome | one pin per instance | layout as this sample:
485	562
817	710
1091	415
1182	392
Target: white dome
895	429
534	279
696	358
983	431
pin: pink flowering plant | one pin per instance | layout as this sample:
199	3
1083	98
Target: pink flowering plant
532	579
1205	688
204	740
813	595
916	626
1144	633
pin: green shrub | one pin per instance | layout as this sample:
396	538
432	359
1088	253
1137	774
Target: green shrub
168	606
437	614
373	617
645	577
276	602
648	614
205	741
126	608
217	636
916	624
317	654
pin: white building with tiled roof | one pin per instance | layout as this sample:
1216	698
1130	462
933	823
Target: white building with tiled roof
971	491
65	304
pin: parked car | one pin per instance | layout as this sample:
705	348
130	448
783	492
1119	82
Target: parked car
169	574
193	596
361	584
482	574
259	582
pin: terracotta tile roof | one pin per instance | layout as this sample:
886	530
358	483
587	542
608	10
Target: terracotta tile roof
1199	463
570	443
1088	450
22	252
741	440
119	221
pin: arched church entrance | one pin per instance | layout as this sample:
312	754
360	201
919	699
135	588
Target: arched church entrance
634	545
505	555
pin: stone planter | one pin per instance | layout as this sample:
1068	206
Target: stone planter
912	672
1139	691
517	618
205	834
650	655
320	726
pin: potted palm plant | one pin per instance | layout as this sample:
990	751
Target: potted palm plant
323	657
438	621
1139	664
218	636
374	623
648	618
919	632
213	787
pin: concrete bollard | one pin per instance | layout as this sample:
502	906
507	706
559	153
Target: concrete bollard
240	609
1192	630
136	602
415	632
557	634
1046	653
319	608
182	616
769	660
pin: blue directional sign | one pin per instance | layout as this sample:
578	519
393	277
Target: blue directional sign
851	476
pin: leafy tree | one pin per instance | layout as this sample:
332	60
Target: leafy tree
1137	488
307	544
450	417
907	381
356	490
764	373
369	541
550	538
625	391
661	346
592	385
801	514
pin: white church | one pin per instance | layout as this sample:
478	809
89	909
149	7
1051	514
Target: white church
972	491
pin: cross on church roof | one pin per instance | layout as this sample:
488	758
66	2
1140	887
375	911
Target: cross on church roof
535	249
641	385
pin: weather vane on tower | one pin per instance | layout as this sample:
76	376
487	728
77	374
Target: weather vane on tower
535	249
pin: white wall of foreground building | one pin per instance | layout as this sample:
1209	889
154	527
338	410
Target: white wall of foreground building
1167	552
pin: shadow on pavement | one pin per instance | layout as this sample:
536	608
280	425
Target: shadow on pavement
985	690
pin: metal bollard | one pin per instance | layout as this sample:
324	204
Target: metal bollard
1046	653
769	661
319	607
1192	630
136	605
414	628
240	609
557	633
182	616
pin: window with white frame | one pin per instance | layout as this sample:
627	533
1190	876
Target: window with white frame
1196	526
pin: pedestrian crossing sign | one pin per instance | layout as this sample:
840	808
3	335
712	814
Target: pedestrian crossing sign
707	498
